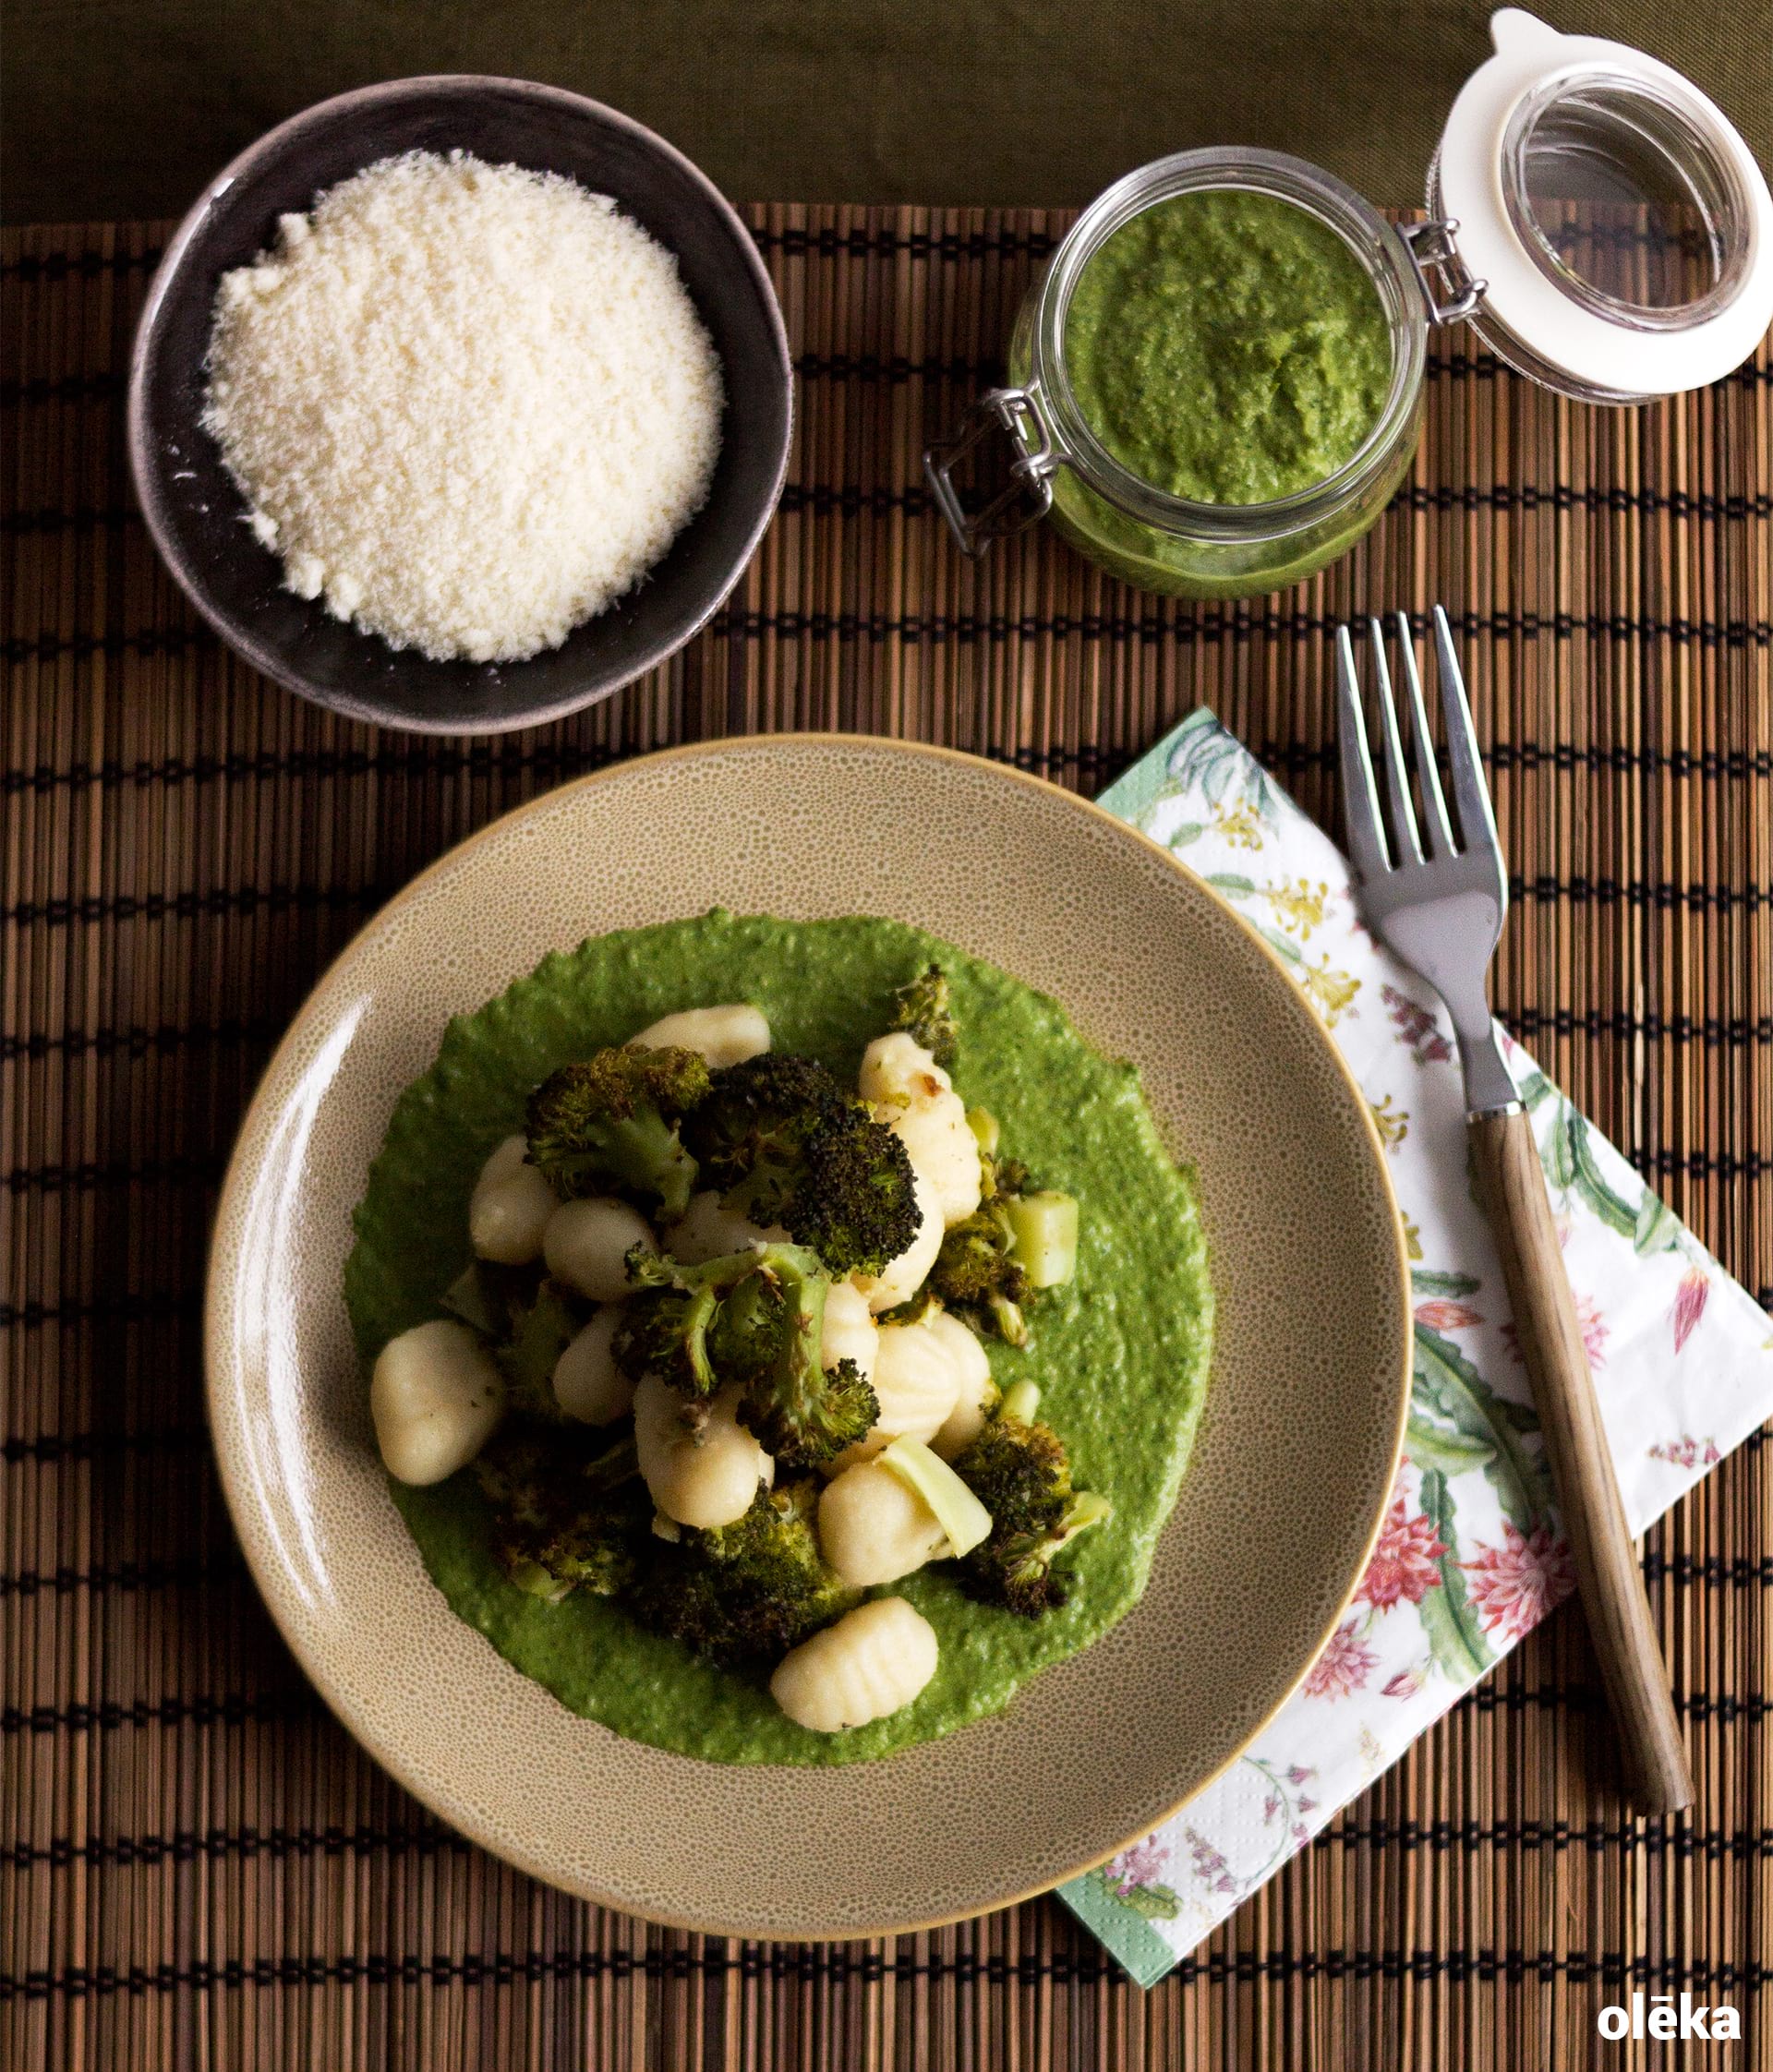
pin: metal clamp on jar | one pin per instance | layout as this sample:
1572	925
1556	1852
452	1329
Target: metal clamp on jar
1594	218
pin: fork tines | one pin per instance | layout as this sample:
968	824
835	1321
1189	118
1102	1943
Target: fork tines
1366	831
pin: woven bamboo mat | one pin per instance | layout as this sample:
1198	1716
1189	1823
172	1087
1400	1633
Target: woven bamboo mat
200	1869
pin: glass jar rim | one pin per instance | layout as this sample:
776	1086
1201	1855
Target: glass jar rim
1375	243
1669	119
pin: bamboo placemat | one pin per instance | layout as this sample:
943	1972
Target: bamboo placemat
201	1870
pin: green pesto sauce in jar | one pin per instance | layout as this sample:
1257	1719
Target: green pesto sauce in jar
1228	347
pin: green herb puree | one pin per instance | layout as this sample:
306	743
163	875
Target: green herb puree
1120	1353
1228	347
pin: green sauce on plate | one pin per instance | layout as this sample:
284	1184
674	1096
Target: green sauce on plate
1120	1353
1228	347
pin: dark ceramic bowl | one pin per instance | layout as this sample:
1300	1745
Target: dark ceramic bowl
196	514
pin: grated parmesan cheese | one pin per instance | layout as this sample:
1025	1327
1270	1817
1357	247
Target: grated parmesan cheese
467	404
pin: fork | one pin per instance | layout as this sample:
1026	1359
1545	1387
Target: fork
1439	904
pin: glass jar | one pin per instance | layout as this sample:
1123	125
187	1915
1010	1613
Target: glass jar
1599	223
1168	543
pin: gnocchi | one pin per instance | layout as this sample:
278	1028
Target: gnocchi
435	1397
900	1277
723	1035
510	1207
975	1391
915	1098
701	1473
587	1242
874	1529
874	1661
708	1230
898	1072
588	1384
916	1381
850	1332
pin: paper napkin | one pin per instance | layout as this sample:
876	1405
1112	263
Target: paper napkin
1471	1555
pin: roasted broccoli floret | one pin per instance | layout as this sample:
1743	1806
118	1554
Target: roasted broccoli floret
856	1203
745	1592
566	1517
997	1174
612	1123
924	1011
540	1331
976	1272
699	1326
768	1336
1019	1471
786	1143
665	1323
1000	1176
755	1319
486	1295
805	1421
750	1136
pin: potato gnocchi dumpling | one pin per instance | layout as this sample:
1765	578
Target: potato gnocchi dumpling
435	1397
701	1466
916	1379
915	1098
874	1661
848	1331
722	1035
975	1391
587	1242
874	1529
709	1230
588	1384
510	1207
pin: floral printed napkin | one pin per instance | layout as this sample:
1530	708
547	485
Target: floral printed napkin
1471	1555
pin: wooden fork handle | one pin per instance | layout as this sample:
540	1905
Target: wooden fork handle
1513	1183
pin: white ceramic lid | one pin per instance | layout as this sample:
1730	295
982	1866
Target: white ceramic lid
1574	330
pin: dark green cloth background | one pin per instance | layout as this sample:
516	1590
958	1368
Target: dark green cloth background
120	108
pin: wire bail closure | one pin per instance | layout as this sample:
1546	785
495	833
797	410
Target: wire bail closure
1432	249
1025	498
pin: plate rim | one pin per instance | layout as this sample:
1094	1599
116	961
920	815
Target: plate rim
234	1175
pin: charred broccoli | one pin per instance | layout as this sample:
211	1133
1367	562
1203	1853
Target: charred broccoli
750	1136
537	1332
486	1295
757	1319
565	1518
768	1336
976	1272
665	1323
748	1590
785	1143
612	1121
924	1011
1019	1471
856	1203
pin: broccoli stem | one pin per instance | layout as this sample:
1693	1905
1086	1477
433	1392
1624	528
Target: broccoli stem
1086	1509
1012	1326
959	1513
1043	1233
1021	1401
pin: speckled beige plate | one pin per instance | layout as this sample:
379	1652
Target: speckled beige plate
1296	1454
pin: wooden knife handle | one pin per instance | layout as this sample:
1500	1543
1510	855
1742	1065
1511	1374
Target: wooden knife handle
1513	1183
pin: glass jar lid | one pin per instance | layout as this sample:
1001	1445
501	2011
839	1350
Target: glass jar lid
1620	228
